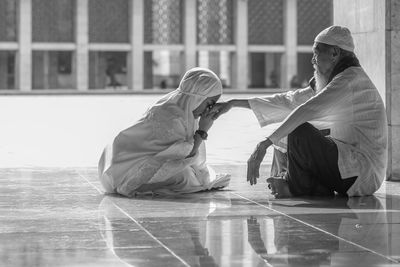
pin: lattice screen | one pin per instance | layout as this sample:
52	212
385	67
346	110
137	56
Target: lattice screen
53	20
8	20
265	25
312	17
163	21
109	21
214	22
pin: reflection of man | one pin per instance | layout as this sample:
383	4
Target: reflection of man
292	247
369	228
364	224
352	159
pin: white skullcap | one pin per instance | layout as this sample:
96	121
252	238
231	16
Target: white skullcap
336	35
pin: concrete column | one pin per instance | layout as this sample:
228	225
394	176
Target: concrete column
376	30
290	39
82	41
241	34
213	61
392	80
53	78
136	56
190	33
24	62
392	57
46	70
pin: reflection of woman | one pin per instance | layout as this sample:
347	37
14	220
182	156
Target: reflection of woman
186	237
164	151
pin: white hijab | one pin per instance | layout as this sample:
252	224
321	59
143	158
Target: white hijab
196	86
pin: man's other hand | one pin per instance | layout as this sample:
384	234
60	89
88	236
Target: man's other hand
254	162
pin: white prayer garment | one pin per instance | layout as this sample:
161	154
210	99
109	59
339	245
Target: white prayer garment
351	107
153	151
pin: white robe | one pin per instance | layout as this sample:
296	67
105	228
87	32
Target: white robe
153	150
150	156
351	107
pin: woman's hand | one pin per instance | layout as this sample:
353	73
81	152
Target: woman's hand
205	124
196	144
206	121
254	162
220	108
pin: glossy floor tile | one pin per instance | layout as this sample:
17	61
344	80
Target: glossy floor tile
60	217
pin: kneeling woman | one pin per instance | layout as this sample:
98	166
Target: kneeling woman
164	152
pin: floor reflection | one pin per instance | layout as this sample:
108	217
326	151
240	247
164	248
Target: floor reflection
220	231
59	218
184	236
363	224
368	228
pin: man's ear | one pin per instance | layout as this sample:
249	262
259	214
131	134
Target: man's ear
336	52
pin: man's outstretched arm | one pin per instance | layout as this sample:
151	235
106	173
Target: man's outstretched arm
224	107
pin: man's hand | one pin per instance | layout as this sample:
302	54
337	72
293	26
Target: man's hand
254	162
220	108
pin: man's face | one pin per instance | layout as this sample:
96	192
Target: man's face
323	59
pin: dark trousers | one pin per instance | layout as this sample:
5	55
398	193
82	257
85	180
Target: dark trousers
312	160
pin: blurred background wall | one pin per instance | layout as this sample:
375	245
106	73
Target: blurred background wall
89	45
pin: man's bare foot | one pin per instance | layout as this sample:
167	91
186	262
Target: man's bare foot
279	187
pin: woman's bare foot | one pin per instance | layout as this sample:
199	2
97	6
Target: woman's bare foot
279	187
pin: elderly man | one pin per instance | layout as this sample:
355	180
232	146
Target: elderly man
351	160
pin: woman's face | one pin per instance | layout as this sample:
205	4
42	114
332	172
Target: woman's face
205	105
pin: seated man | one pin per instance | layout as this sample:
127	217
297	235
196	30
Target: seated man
352	159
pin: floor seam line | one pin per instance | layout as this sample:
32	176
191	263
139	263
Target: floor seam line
151	235
138	224
317	228
89	182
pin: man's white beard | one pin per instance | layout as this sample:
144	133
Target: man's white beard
320	80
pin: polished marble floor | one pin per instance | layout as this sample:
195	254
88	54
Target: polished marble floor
60	217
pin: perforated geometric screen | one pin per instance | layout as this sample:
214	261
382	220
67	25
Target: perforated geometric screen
265	26
163	21
53	20
109	21
312	17
214	22
8	20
